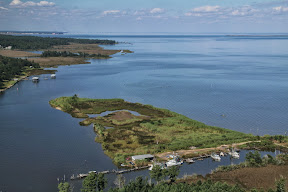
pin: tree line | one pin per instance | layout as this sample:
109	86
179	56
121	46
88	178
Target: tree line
35	43
70	54
11	67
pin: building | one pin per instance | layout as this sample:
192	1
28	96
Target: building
142	157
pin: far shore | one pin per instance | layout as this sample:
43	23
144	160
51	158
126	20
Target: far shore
47	62
28	73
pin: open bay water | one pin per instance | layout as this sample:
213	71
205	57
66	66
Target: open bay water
239	83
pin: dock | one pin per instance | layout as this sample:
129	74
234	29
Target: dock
83	175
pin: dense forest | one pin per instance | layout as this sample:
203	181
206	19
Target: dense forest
35	43
10	67
69	54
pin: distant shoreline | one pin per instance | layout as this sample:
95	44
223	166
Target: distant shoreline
32	32
257	35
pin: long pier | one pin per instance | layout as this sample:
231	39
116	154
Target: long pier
83	175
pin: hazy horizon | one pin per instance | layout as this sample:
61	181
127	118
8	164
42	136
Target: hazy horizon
183	16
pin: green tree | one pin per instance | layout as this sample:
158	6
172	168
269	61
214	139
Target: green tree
101	182
254	159
157	173
280	185
120	181
172	173
94	182
89	184
64	187
139	184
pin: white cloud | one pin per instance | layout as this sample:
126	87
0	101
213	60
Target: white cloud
156	10
280	9
16	2
31	3
206	9
237	12
111	12
3	8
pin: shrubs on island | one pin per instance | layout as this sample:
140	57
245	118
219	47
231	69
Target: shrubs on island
70	54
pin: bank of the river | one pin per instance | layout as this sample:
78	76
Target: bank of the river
155	130
261	176
26	73
83	50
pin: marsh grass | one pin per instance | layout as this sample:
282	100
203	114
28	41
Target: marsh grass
164	130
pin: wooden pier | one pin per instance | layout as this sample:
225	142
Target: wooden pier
83	175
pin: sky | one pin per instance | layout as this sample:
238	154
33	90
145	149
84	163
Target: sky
136	16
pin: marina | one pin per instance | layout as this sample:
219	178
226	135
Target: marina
175	161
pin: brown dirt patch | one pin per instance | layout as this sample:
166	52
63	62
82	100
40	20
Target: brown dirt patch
54	61
250	177
199	151
123	116
15	53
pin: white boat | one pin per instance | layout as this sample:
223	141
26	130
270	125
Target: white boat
53	76
189	160
173	162
35	79
215	157
235	155
222	154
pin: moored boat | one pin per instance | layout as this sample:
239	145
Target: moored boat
175	161
215	157
189	160
35	79
53	76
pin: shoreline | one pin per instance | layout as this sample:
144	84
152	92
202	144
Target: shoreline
40	71
152	132
48	62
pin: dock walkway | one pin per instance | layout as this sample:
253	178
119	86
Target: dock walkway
83	175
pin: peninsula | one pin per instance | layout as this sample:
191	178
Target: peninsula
133	128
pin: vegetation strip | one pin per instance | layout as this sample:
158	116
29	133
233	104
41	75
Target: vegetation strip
155	130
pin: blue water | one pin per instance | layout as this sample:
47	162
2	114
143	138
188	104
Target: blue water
238	83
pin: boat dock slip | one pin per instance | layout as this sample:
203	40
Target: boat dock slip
201	157
83	175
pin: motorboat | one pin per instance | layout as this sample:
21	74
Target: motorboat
190	160
53	76
235	155
35	79
175	161
215	157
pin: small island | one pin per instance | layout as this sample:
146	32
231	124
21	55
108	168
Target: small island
128	129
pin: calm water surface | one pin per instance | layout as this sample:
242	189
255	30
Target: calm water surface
238	83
